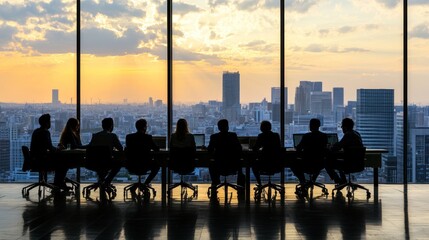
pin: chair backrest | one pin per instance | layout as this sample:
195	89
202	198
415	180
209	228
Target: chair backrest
182	160
138	160
354	159
271	161
312	161
26	165
98	157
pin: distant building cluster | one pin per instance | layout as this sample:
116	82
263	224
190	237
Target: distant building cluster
377	119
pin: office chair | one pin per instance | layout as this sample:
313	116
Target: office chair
41	167
269	164
138	163
312	162
182	162
99	159
354	162
226	166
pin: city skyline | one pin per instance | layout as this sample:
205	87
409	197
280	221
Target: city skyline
124	48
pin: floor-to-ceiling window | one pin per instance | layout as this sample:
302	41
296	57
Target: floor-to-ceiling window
123	66
226	64
37	75
344	59
418	110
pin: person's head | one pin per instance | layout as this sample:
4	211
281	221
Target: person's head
72	125
141	125
45	121
265	126
222	125
314	124
347	124
107	124
182	126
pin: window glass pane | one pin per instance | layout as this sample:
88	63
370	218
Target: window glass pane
418	111
226	63
38	75
344	59
124	70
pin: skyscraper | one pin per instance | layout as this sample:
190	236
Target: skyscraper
55	96
302	95
321	103
375	121
275	101
231	95
338	97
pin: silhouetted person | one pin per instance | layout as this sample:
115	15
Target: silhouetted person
313	143
143	143
42	152
107	138
351	138
269	143
70	136
182	143
227	152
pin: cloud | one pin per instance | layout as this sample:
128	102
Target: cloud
21	12
113	9
420	31
56	42
180	54
272	4
346	29
248	5
300	6
372	26
389	3
184	8
6	33
104	42
318	48
418	2
324	32
216	3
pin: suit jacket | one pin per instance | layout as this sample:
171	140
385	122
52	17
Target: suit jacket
105	138
225	146
270	144
350	139
141	142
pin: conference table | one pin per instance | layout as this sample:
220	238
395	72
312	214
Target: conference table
373	159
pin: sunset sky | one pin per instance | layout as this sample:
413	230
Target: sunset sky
348	43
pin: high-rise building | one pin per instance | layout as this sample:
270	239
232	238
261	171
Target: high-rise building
4	147
231	96
338	97
275	101
302	96
375	122
321	103
55	96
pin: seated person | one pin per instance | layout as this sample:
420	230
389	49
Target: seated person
143	143
42	152
225	146
313	143
70	136
270	145
107	138
180	140
351	138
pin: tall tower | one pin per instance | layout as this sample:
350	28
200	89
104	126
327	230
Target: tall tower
231	95
303	95
375	121
275	101
55	96
338	97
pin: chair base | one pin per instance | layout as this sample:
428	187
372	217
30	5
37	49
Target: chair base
266	192
143	191
184	186
212	191
351	187
106	192
301	190
42	185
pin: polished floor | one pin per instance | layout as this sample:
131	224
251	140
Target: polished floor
394	215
